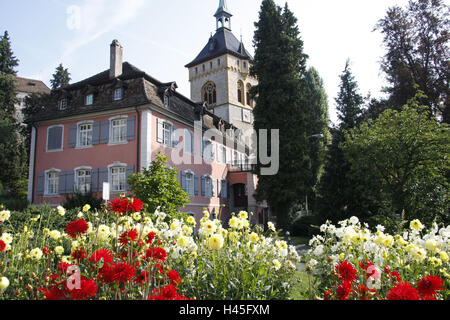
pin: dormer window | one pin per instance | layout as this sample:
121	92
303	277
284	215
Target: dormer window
118	94
62	104
89	100
166	101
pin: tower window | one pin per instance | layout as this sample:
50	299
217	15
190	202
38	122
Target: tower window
210	93
218	62
249	99
204	68
240	90
211	65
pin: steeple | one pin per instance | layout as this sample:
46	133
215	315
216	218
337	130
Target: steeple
223	16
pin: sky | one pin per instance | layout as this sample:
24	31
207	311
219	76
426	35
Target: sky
161	36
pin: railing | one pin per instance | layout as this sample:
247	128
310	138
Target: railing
240	167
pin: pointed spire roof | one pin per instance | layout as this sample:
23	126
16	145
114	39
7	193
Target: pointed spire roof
223	8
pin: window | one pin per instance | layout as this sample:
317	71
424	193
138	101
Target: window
208	150
204	68
218	62
55	138
166	101
85	135
89	100
62	104
118	131
235	158
238	63
167	134
118	179
196	70
240	91
52	183
208	187
245	65
222	154
210	93
118	94
211	65
190	183
83	180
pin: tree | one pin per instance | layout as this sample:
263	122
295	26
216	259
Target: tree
340	195
416	40
158	186
317	125
409	154
61	77
7	59
7	85
280	66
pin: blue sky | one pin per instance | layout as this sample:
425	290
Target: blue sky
160	37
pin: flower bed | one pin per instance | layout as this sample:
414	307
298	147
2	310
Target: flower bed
349	262
125	253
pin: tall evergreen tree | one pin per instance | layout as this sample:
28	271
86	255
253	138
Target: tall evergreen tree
280	66
7	59
61	77
341	195
417	56
317	127
12	152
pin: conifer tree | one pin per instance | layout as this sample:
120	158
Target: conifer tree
7	72
280	65
61	77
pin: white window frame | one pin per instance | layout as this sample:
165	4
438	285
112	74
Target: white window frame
117	96
62	139
190	188
111	130
166	131
89	99
62	104
77	181
213	156
79	124
47	182
221	154
112	167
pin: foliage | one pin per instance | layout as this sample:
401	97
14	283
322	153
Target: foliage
374	263
408	153
158	187
78	200
304	226
61	77
280	66
416	40
8	61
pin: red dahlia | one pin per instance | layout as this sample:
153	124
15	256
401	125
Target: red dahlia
156	254
150	237
403	291
125	205
344	290
2	246
123	272
101	254
364	292
346	271
429	285
77	228
54	293
128	236
78	255
174	277
88	289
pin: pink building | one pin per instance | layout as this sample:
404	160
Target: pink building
113	124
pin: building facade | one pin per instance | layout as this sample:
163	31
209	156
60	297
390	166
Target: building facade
113	124
25	87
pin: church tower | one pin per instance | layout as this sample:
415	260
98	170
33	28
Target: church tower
220	77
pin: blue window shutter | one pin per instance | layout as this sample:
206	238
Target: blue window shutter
183	181
104	138
96	133
40	184
196	184
102	177
70	181
73	136
54	138
130	171
160	133
94	180
203	187
62	182
131	124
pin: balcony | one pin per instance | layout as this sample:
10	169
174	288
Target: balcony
240	167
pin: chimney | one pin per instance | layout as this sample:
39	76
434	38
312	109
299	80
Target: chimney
116	60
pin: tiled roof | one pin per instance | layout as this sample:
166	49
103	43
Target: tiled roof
222	42
30	85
